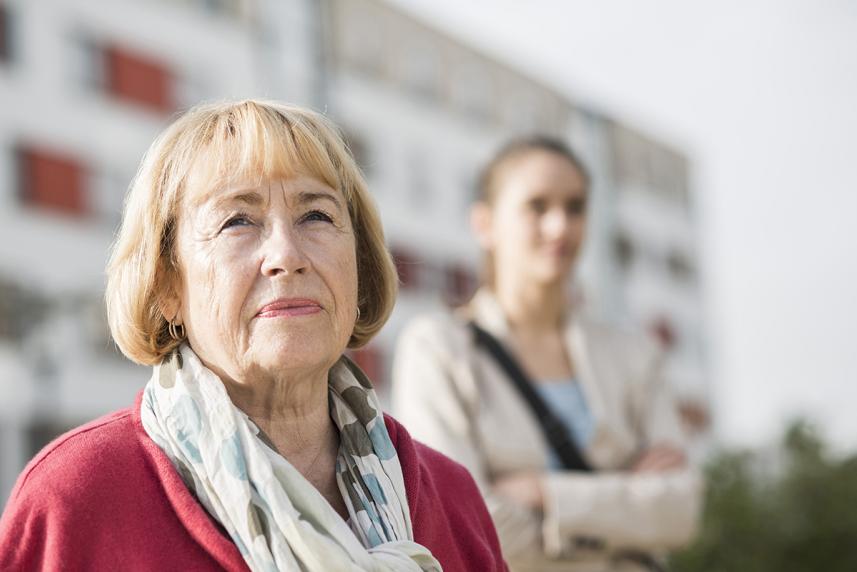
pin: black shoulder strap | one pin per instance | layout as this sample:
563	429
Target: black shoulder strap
554	429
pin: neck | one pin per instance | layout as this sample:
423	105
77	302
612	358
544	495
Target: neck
292	412
531	306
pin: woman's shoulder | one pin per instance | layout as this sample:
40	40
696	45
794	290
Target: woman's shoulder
69	493
75	464
101	496
439	337
438	328
614	338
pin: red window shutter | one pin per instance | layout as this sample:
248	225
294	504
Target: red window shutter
695	415
138	79
664	332
460	284
52	181
5	35
371	361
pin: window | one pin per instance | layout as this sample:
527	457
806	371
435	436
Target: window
460	284
20	311
231	8
138	79
695	415
371	360
51	181
623	250
5	34
219	6
663	330
680	266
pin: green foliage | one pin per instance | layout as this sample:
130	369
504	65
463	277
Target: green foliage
792	511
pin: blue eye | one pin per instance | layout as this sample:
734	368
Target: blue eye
317	215
237	220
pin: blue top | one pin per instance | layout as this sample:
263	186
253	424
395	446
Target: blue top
566	400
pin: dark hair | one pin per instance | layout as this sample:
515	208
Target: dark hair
517	148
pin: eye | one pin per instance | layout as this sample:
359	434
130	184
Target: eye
576	206
317	215
538	206
237	220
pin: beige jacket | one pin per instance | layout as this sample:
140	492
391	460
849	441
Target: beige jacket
456	399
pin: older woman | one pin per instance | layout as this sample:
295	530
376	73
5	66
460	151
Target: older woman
563	420
250	257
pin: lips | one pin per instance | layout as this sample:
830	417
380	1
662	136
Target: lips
558	251
289	307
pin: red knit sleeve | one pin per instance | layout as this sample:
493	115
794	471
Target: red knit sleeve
30	529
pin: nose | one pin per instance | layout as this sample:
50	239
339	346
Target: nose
555	223
282	252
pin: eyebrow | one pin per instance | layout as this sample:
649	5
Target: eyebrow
251	198
248	197
305	197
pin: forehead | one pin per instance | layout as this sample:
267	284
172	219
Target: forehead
540	173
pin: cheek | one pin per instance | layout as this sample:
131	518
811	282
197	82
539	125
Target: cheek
334	259
346	279
516	232
217	284
577	229
343	280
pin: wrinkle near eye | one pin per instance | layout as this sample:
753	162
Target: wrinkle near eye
202	226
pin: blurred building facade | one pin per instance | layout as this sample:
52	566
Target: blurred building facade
85	85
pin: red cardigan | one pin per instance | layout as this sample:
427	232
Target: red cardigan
105	497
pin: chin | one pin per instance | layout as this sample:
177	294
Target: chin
295	351
553	273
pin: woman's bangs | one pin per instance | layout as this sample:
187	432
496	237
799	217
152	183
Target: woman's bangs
252	145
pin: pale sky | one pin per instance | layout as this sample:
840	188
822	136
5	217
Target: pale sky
763	94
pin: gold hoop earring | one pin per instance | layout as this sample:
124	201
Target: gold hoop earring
358	313
174	330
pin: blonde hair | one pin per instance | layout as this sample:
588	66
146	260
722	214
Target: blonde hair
209	146
488	183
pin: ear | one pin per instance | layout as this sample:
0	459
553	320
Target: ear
482	224
169	302
170	308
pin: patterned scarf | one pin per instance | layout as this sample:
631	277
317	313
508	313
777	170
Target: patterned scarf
278	520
